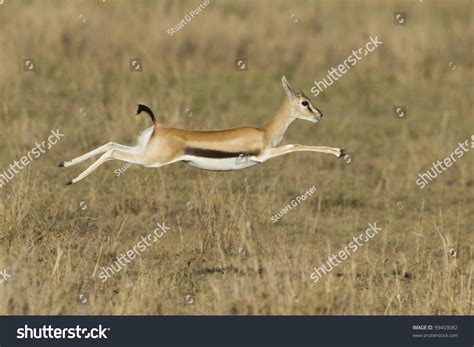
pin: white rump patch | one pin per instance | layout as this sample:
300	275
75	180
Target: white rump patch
144	137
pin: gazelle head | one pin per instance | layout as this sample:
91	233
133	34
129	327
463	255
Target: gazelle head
300	106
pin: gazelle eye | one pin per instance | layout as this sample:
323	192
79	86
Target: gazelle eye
304	103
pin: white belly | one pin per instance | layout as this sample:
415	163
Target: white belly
221	164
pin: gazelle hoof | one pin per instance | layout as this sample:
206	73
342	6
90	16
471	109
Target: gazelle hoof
61	164
342	153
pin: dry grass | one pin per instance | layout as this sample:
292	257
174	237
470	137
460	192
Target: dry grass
223	250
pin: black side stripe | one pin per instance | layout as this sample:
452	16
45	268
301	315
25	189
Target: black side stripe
210	153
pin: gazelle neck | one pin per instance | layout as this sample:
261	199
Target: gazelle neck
277	127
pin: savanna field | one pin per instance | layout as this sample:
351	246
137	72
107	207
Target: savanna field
68	65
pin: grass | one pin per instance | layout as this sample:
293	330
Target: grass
223	254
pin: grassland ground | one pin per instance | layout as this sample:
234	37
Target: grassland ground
223	254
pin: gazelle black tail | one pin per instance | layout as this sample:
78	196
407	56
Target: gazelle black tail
147	110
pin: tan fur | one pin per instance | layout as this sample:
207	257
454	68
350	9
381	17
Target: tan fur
170	142
167	145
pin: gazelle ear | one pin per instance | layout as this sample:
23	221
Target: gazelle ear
286	86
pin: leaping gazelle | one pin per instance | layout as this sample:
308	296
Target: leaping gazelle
218	150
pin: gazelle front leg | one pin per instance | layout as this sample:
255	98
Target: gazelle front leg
270	153
117	154
99	150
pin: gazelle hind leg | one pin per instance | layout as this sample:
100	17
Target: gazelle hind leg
130	156
279	151
99	150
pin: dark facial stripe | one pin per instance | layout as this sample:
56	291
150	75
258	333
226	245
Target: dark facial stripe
210	153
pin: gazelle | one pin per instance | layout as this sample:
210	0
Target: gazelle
219	150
